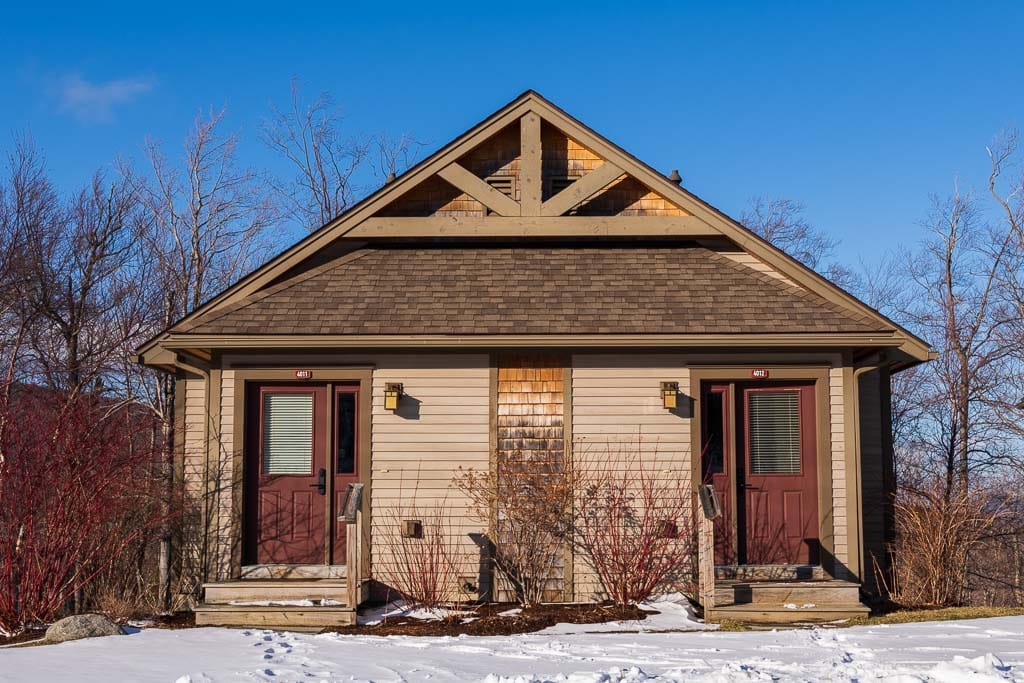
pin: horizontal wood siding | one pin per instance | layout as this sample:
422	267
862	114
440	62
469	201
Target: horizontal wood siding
837	420
877	477
442	425
752	262
617	407
194	483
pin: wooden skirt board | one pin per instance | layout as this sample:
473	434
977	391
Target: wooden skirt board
759	451
300	452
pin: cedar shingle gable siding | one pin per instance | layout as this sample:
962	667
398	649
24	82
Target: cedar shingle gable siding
459	290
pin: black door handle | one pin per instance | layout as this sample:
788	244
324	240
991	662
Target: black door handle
321	482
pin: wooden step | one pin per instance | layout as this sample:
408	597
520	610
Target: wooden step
294	571
250	590
780	593
766	614
274	616
769	572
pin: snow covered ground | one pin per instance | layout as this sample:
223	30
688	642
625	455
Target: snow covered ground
977	650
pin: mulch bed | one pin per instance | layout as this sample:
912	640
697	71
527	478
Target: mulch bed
485	620
175	620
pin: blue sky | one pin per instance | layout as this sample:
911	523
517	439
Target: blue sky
859	111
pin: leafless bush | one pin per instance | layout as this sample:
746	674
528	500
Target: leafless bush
422	568
938	537
634	522
527	504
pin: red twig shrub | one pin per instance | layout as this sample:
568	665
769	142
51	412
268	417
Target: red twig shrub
526	502
422	568
634	522
70	472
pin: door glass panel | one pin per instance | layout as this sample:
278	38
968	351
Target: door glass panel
774	432
287	433
714	436
346	433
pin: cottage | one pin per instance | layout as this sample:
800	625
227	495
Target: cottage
529	262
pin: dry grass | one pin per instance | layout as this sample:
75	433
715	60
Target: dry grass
910	616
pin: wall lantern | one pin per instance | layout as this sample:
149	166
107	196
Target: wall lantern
669	395
392	394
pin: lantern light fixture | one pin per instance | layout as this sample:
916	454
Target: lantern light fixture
392	394
669	395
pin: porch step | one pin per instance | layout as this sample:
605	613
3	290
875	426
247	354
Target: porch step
294	571
283	590
275	616
780	593
769	614
769	572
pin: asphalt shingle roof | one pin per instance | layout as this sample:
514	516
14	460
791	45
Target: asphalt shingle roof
459	290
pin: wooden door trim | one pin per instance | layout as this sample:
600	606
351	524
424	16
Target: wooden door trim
817	374
361	374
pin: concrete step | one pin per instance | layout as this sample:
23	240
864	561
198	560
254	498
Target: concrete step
274	616
766	614
779	593
252	590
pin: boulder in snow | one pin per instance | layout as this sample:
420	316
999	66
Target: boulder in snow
82	626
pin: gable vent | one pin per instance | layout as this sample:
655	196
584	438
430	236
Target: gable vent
559	183
502	183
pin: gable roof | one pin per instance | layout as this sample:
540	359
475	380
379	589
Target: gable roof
541	290
695	218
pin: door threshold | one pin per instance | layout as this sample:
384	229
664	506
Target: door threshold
294	571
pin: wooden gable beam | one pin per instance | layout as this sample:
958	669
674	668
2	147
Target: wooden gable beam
685	227
479	190
581	190
530	170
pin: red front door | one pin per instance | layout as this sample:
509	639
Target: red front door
777	476
287	467
759	451
302	450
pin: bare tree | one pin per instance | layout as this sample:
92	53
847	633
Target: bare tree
209	220
309	136
955	304
82	268
782	222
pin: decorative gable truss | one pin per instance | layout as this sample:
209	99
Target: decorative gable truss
531	178
531	170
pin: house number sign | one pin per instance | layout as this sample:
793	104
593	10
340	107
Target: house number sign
303	374
759	373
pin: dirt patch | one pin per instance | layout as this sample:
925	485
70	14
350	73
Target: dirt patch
487	620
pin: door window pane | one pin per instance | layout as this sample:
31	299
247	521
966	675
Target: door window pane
287	433
346	433
714	437
774	432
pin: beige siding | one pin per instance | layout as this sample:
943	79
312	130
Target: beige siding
876	476
194	481
443	424
224	471
752	262
837	418
616	403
